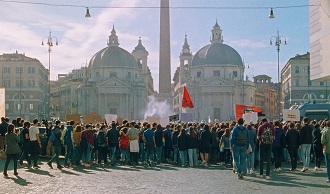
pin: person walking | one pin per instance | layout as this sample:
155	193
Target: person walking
266	136
317	146
150	144
277	147
68	144
239	145
25	144
292	144
55	138
325	139
35	143
3	131
306	140
205	142
12	149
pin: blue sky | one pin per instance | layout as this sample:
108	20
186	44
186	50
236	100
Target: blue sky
247	30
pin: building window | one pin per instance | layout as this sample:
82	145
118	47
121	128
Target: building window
6	69
31	70
19	83
31	106
321	83
113	74
235	73
31	83
297	69
6	83
129	75
199	74
19	70
297	82
7	106
216	73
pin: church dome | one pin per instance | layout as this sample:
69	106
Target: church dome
113	56
217	54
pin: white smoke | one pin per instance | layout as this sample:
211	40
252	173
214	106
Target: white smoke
157	108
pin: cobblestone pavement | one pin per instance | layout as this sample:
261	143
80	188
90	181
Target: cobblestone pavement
157	179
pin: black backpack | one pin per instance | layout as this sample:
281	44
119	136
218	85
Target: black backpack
83	142
101	138
241	137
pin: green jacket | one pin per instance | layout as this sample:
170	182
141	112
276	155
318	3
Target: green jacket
12	144
325	139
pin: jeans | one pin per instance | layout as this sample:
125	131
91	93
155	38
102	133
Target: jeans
175	154
183	157
102	154
285	155
68	154
77	154
293	152
228	155
13	157
142	152
265	151
278	156
150	151
159	151
168	152
250	160
86	153
124	155
239	153
50	149
317	154
193	158
57	150
327	159
112	155
25	153
306	154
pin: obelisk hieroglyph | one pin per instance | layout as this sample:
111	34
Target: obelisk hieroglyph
164	50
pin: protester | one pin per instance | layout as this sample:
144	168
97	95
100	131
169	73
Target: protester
252	142
12	149
192	144
174	138
133	134
306	140
159	136
317	147
113	141
277	147
124	146
292	144
150	144
25	144
205	142
239	145
68	143
168	142
55	138
76	145
3	131
35	143
183	147
102	145
325	139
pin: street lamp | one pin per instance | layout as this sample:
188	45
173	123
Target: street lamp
20	91
278	42
50	45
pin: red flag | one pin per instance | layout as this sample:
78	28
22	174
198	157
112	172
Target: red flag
186	100
240	110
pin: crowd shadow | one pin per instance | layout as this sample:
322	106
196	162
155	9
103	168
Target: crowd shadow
19	180
40	172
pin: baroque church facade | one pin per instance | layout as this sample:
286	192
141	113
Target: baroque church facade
115	82
214	77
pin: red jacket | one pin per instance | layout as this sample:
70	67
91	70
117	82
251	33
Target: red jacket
89	136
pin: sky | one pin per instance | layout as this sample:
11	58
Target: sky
247	30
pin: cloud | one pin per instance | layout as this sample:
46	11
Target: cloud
247	44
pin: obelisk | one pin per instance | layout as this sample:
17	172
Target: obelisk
164	50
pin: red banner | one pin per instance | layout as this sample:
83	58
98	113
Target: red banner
240	110
186	100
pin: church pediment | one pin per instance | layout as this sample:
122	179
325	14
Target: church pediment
217	81
112	82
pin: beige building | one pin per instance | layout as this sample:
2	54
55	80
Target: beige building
26	82
297	87
214	77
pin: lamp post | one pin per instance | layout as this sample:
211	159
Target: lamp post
50	45
20	91
278	42
308	82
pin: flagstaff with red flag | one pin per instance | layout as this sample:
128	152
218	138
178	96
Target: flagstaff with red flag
186	100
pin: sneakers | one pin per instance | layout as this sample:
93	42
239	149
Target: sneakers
267	177
36	167
5	174
251	171
318	169
304	169
16	173
279	169
328	181
260	176
59	166
292	169
50	165
240	176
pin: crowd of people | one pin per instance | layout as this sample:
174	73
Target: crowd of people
235	145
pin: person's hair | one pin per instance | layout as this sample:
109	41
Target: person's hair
88	126
125	121
291	125
178	127
18	119
305	119
328	123
227	133
102	127
137	126
144	124
71	122
113	125
298	126
277	123
124	129
78	128
214	129
10	128
154	125
3	119
159	128
206	128
240	121
148	126
223	126
192	132
249	127
26	124
56	122
264	120
35	121
182	132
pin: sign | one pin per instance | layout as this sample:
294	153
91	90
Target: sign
174	118
110	117
73	117
120	120
2	102
291	115
251	117
92	118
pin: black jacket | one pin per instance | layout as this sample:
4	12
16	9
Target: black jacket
175	138
3	129
317	137
306	135
292	138
113	135
192	142
182	142
205	138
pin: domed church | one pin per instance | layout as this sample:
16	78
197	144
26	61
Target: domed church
214	78
118	82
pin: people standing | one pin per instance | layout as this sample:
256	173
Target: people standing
277	147
3	131
183	147
250	155
133	134
168	142
49	149
325	139
12	149
150	144
266	136
317	147
192	144
239	145
102	145
205	142
174	138
25	144
124	145
306	140
55	138
113	142
35	143
159	135
292	144
76	145
68	143
225	146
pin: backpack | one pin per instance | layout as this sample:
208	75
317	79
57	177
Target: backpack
123	144
21	137
101	138
267	136
242	137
